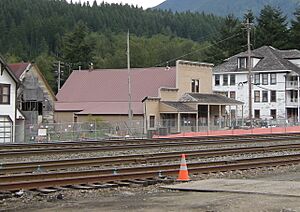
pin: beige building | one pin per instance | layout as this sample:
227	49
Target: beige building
174	98
191	104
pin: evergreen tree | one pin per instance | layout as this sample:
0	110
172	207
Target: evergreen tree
295	31
230	41
76	50
271	28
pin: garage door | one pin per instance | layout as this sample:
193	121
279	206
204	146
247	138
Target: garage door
5	129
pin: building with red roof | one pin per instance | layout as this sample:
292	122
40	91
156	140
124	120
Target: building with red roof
157	94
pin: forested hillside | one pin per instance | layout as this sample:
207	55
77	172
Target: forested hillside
47	31
226	7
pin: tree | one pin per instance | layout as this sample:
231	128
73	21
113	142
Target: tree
271	28
295	30
229	42
76	50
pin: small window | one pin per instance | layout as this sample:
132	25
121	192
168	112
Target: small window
4	94
264	96
217	80
265	79
256	96
257	79
273	113
232	79
195	86
273	79
232	94
152	121
225	79
257	114
242	62
273	96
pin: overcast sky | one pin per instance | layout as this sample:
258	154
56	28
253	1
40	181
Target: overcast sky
144	3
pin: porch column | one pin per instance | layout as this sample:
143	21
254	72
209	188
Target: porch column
178	122
220	116
208	117
242	115
230	115
197	124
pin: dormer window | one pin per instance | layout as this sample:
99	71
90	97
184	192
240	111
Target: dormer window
242	62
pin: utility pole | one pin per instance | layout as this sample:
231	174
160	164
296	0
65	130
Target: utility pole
59	76
129	82
249	67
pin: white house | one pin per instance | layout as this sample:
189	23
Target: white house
8	111
274	82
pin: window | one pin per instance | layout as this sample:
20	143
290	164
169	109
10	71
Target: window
256	96
265	79
242	62
257	114
256	79
264	96
273	96
294	96
4	94
195	86
232	94
273	79
152	121
232	79
273	113
5	129
217	80
225	79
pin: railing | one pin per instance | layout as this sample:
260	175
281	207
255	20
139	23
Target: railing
291	84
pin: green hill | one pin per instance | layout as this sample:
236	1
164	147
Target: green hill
225	7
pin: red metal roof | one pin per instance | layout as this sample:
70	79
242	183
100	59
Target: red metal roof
18	68
105	91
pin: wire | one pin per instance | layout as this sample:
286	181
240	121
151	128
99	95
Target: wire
174	59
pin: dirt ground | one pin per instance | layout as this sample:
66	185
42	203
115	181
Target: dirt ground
153	198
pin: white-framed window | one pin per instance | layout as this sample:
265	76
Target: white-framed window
5	94
5	129
225	79
273	79
256	96
273	96
232	95
257	114
257	79
195	86
232	79
265	80
242	62
217	79
264	96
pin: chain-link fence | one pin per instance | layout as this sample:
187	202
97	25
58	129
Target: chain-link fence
100	130
95	130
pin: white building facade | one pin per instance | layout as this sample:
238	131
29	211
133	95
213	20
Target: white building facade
8	110
274	83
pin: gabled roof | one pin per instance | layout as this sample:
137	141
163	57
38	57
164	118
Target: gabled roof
209	99
179	106
10	72
18	68
270	59
108	89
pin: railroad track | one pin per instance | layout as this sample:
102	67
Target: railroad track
124	146
41	166
93	178
209	139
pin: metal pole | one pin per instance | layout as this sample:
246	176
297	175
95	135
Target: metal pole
58	80
249	66
129	82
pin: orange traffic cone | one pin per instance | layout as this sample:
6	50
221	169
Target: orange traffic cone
183	172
